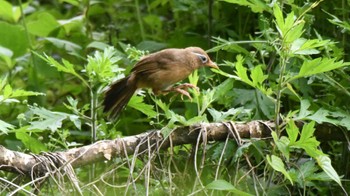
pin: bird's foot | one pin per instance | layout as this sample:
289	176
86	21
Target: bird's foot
181	89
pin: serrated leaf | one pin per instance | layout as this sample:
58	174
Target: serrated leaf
103	65
137	103
5	127
292	131
66	67
307	131
308	141
241	71
319	65
46	119
323	115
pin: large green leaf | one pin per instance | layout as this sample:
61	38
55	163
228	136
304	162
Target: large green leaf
43	25
325	163
13	37
44	119
9	12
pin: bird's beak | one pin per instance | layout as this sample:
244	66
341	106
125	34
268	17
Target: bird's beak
212	65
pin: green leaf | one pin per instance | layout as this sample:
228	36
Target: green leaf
319	65
243	149
292	131
43	25
258	76
295	31
256	6
277	12
70	47
307	131
30	142
277	164
219	116
282	144
304	106
325	163
137	103
72	24
323	115
308	141
241	71
9	12
9	94
5	127
97	45
223	185
45	119
6	56
102	66
66	67
13	38
336	21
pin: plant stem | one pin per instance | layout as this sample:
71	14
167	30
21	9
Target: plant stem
138	13
280	86
93	115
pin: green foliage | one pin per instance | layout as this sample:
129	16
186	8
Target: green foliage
279	60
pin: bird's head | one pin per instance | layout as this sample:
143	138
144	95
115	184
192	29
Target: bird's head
202	57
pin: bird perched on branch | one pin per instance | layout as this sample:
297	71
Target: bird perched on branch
158	71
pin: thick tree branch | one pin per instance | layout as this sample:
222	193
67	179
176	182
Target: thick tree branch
107	149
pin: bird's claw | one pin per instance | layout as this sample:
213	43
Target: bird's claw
187	86
181	89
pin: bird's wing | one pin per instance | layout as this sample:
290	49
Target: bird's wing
151	64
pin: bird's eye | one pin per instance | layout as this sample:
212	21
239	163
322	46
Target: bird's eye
203	58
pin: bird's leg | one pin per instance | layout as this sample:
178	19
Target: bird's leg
187	86
181	89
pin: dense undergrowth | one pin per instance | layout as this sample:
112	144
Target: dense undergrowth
279	60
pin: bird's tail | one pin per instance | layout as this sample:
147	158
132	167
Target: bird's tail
118	95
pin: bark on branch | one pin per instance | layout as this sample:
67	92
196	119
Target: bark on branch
28	164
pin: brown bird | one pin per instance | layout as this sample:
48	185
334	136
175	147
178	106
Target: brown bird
158	71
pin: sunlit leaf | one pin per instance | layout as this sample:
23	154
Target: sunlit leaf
13	38
325	163
292	131
43	25
5	127
319	65
257	6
